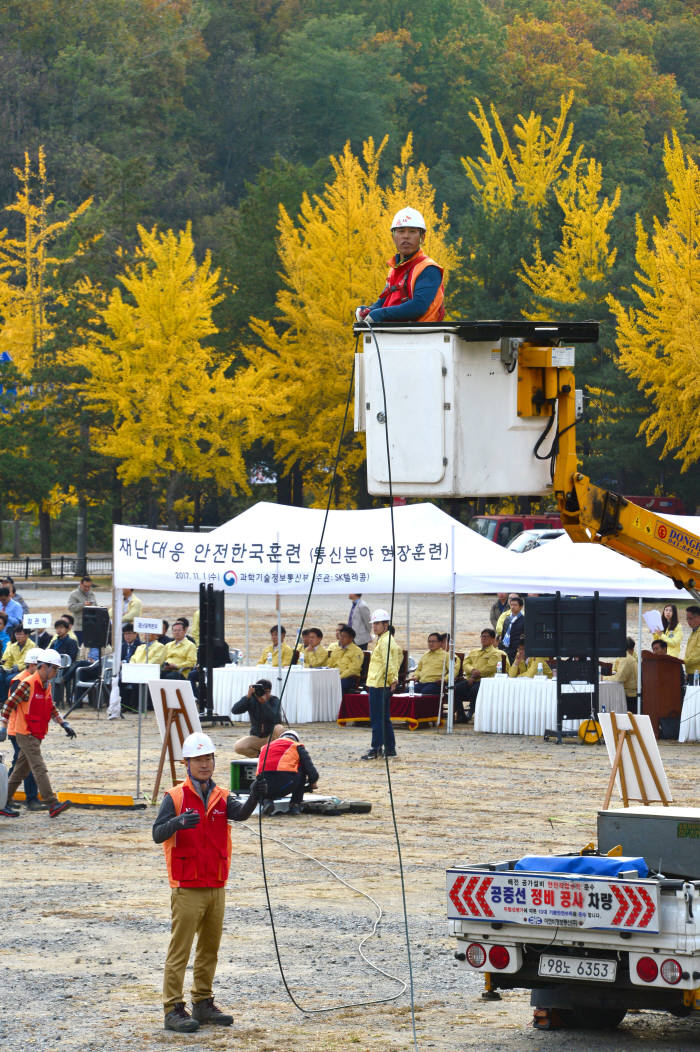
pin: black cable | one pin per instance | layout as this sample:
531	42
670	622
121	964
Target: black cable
386	676
292	998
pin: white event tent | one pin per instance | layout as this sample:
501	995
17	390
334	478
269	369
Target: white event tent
581	569
270	549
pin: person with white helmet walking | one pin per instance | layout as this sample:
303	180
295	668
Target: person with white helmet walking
32	702
382	679
193	827
31	789
414	289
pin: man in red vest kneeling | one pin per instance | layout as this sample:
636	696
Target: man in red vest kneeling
288	769
193	827
414	288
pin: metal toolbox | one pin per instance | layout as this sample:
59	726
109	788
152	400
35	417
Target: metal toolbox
667	837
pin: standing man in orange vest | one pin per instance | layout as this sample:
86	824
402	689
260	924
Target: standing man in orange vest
288	769
414	288
193	827
33	703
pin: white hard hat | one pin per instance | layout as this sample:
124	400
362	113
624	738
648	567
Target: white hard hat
197	744
380	615
34	656
290	734
49	657
408	217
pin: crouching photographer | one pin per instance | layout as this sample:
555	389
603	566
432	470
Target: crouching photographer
264	710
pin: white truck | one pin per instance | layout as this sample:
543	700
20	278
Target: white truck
591	935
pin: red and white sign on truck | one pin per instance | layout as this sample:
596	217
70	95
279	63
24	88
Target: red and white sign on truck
521	898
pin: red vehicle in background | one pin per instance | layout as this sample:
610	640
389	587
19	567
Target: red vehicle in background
503	528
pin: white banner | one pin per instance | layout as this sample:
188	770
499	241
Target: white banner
273	549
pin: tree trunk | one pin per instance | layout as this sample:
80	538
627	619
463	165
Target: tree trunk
15	537
297	486
117	492
81	538
284	488
170	493
197	523
45	538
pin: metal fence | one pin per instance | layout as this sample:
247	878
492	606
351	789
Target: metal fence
61	566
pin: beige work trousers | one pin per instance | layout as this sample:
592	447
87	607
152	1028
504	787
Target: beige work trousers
200	912
252	746
30	759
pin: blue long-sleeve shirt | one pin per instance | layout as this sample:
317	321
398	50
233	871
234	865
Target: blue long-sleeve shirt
427	284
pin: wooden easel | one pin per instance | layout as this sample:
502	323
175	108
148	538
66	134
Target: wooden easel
640	759
175	717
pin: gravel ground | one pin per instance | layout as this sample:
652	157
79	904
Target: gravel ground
87	904
86	918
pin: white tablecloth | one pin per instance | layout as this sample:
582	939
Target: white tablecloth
690	716
529	706
312	695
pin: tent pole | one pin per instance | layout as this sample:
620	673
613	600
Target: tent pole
408	625
453	622
278	604
639	657
247	633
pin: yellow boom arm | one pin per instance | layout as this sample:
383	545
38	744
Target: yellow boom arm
589	512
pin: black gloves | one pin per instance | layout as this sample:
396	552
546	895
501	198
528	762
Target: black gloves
68	729
259	788
188	819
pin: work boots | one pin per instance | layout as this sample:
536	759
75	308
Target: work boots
207	1012
36	805
179	1020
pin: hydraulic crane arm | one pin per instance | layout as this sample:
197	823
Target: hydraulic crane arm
546	388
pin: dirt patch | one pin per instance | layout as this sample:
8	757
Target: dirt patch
87	917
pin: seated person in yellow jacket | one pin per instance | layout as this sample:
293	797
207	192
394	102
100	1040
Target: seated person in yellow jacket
152	652
347	658
180	656
315	655
433	669
287	651
482	663
527	667
625	672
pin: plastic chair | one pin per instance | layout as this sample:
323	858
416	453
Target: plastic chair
103	683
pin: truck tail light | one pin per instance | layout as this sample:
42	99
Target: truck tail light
648	969
499	957
476	955
671	971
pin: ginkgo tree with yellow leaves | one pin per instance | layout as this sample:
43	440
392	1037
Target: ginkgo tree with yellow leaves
333	256
526	186
166	410
37	429
657	335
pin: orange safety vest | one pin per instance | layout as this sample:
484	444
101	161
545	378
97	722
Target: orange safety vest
199	857
33	716
282	755
401	281
14	682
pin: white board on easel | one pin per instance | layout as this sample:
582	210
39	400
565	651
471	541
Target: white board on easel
177	717
637	768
